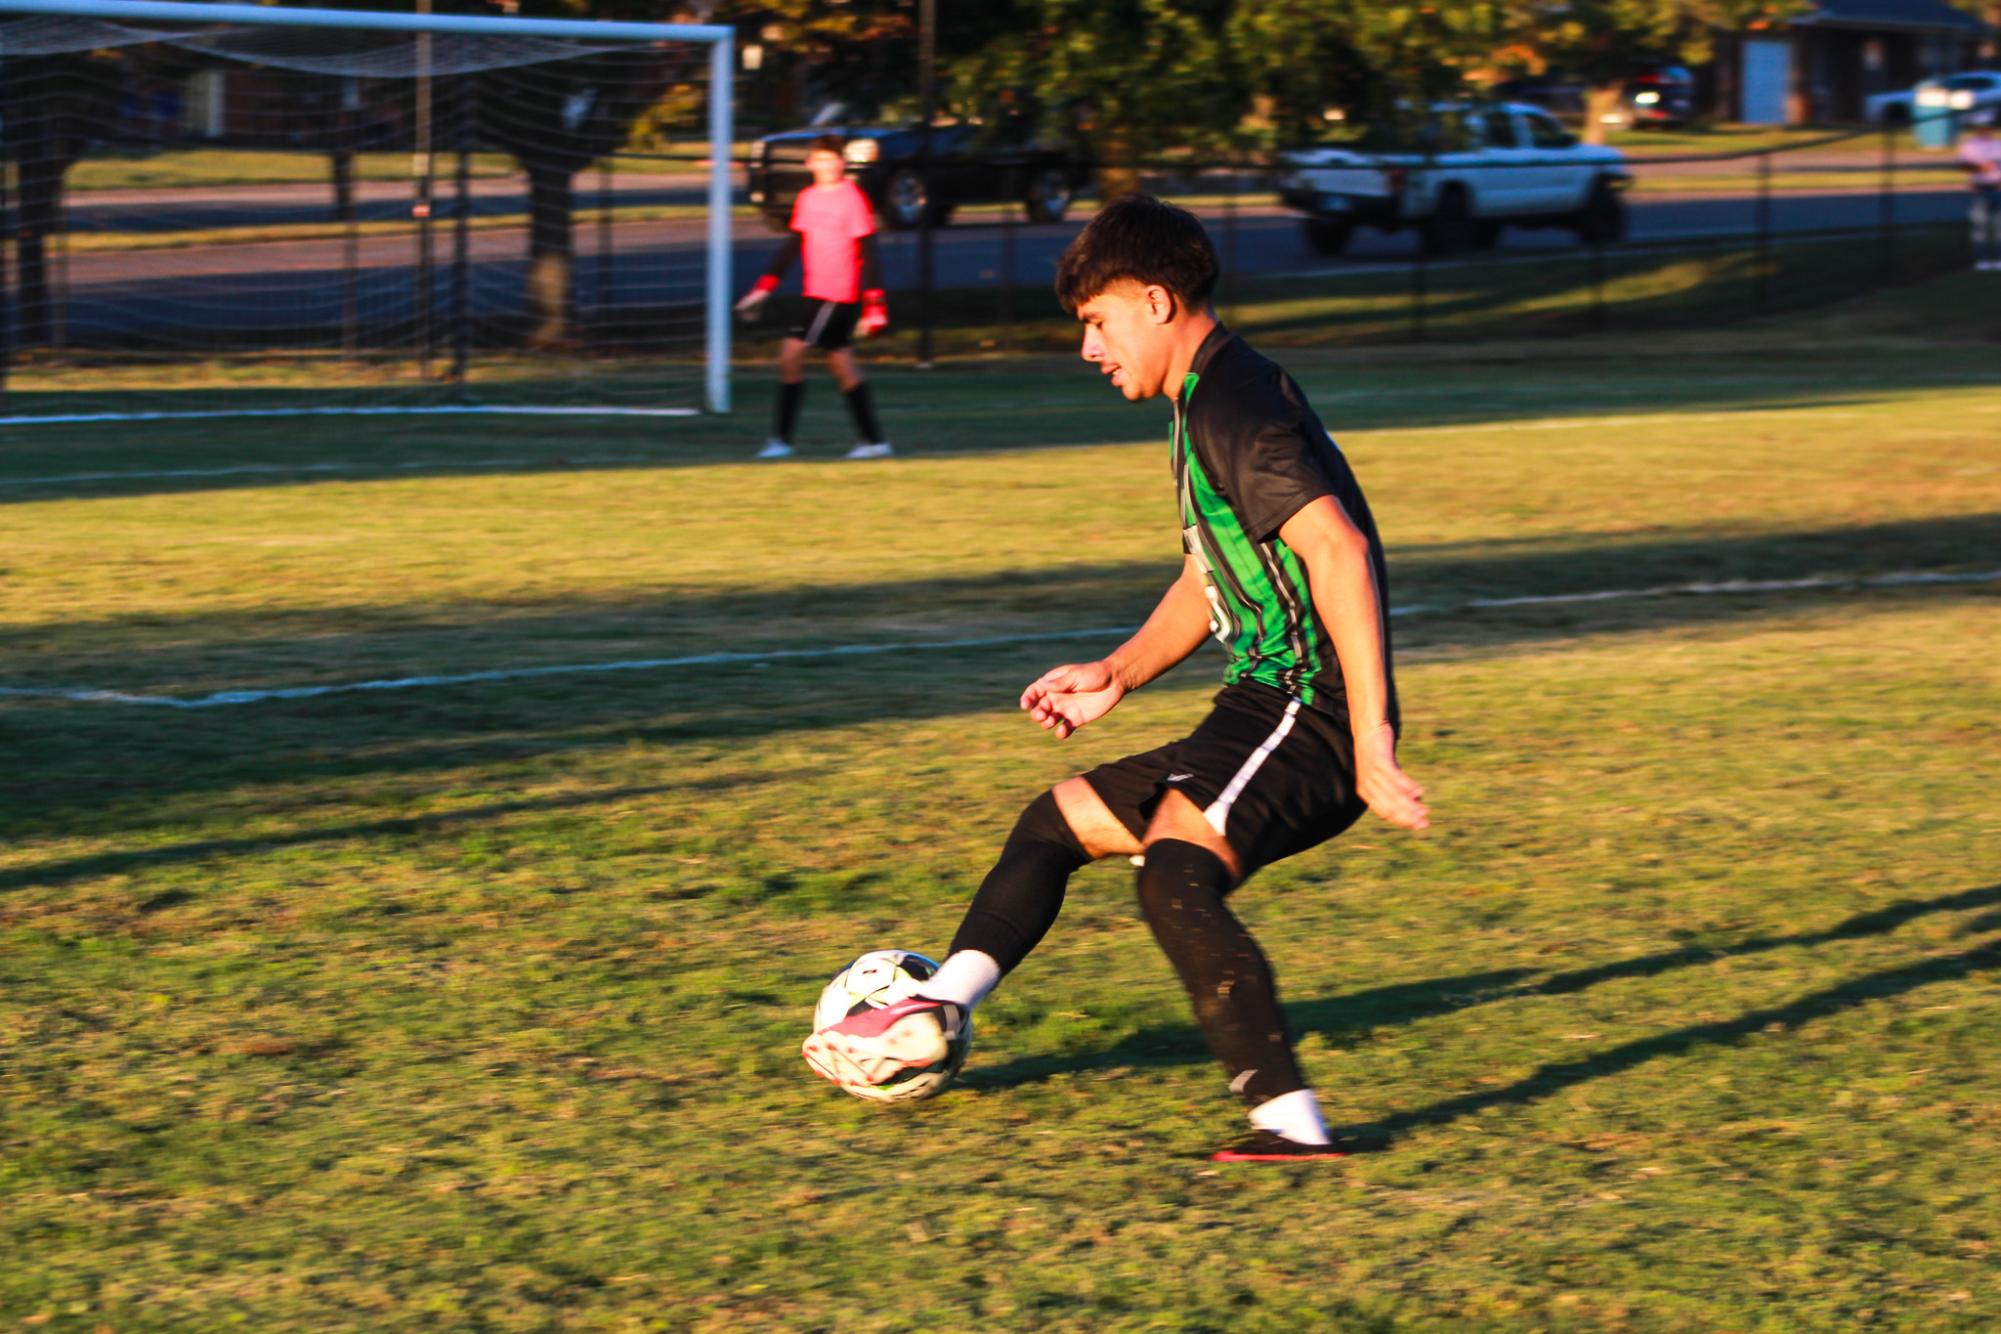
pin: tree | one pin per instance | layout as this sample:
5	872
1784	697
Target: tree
50	107
1600	41
1129	77
556	119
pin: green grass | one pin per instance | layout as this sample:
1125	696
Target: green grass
195	168
478	1007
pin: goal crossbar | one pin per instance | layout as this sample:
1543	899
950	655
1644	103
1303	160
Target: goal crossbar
720	38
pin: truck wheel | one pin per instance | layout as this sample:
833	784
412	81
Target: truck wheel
905	196
1327	236
1486	235
1049	196
1449	229
1602	220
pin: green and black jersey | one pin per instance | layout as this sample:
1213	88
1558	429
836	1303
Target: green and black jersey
1249	453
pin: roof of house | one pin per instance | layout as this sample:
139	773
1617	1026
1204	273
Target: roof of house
1928	15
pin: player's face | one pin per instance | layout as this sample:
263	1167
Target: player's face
1126	337
826	166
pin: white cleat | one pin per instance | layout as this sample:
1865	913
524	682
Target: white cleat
879	450
869	1048
775	449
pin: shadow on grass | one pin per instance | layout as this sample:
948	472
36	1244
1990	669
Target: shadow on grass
1341	1019
70	757
1560	1075
139	859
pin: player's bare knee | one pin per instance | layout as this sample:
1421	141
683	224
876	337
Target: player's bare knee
1097	831
1181	819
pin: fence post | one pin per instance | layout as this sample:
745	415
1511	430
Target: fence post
461	242
1007	257
1418	276
424	167
1887	209
6	283
345	203
1597	283
1230	239
603	265
1763	297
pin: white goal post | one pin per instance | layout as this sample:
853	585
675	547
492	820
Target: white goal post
720	39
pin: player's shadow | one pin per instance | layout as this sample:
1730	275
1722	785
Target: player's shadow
1559	1075
1340	1019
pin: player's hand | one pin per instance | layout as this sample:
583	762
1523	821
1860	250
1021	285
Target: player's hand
875	314
1381	782
1064	698
753	301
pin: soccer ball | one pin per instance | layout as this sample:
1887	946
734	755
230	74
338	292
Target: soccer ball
871	982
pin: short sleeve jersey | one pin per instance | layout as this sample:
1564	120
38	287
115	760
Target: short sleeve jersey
829	220
1249	453
1984	156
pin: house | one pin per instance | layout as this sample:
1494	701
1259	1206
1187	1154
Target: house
1817	66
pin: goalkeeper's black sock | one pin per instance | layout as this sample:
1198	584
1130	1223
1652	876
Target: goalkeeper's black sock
786	414
861	407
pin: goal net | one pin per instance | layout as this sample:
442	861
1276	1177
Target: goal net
238	209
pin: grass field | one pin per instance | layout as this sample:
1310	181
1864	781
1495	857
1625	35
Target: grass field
477	1007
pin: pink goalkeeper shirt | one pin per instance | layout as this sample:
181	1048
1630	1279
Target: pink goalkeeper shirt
1984	156
829	220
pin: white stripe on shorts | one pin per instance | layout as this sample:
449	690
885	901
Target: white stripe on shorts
1218	813
819	324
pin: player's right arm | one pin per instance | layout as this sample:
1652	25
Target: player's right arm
1065	698
781	260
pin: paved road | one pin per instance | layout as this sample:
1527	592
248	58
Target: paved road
190	295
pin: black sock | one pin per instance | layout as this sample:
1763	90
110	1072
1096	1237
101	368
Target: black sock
1229	981
786	409
862	408
1018	901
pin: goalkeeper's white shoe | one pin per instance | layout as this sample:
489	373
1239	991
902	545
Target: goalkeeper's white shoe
869	1048
775	449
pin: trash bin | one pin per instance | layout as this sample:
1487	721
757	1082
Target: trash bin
1935	121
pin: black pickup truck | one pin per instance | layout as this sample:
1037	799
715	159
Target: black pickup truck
970	163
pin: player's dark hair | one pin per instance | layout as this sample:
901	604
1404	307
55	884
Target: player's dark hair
827	143
1139	238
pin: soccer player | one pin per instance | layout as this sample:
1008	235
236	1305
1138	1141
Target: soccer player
833	232
1980	158
1283	565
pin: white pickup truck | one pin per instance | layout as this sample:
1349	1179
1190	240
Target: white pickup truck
1474	169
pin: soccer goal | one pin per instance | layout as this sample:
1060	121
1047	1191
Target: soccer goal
242	210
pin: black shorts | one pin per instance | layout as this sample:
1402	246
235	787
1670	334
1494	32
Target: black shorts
1272	776
827	325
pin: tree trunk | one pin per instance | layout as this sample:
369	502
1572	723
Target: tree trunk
1118	174
551	250
41	208
1600	101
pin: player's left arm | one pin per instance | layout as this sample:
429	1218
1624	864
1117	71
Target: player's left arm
875	306
1343	585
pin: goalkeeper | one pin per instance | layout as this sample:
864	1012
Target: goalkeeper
833	233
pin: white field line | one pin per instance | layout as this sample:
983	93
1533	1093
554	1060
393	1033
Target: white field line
447	410
223	698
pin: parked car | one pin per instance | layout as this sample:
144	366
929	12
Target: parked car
1655	93
970	163
1658	95
1975	90
1461	176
